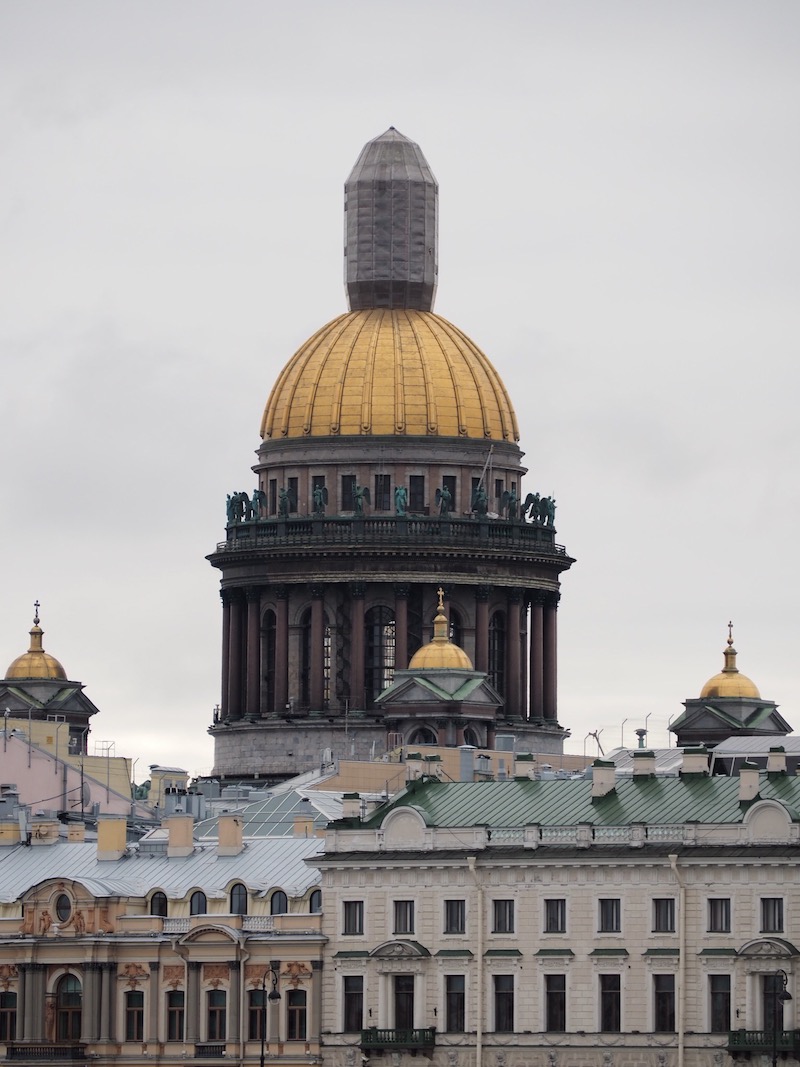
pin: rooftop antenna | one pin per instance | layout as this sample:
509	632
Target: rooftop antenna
596	735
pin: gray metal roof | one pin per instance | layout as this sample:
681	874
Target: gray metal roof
263	865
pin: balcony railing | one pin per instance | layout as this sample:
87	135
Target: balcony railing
764	1042
45	1051
380	1040
214	1051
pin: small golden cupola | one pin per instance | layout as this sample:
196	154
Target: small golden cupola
440	653
730	682
35	663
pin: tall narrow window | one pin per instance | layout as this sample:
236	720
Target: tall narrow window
454	995
719	915
175	1013
273	496
454	916
404	1001
217	1014
416	494
292	487
380	645
498	493
353	1001
555	1004
383	492
664	915
504	1003
719	994
315	902
68	1009
456	628
772	915
502	916
238	899
296	1015
158	904
279	903
198	905
8	1016
134	1015
610	1004
664	1003
257	1014
497	652
348	492
305	658
555	916
404	916
353	911
610	915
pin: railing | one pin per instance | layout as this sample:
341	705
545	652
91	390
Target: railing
764	1042
300	532
380	1040
176	926
45	1052
210	1052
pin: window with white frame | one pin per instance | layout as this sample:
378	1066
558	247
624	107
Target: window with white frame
609	915
664	915
719	915
503	916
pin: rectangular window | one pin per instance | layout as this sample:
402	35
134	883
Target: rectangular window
296	1015
555	1003
175	1010
610	915
256	1014
353	917
8	1016
504	1003
771	915
454	1000
217	1014
134	1015
503	916
664	915
664	1003
719	915
273	496
449	483
498	492
455	917
719	996
404	916
416	493
610	1004
404	1001
292	487
383	492
555	916
348	492
353	1003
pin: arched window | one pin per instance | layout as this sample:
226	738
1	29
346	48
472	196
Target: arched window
238	899
380	643
471	738
422	736
305	657
315	902
268	630
158	903
456	628
68	1009
63	907
279	903
497	652
198	905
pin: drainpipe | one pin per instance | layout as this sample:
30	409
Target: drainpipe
479	996
673	862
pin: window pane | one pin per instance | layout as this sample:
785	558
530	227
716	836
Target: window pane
555	916
454	1003
175	1001
279	903
610	915
404	916
719	988
664	1006
504	1003
353	917
664	915
217	1015
454	916
503	915
772	915
239	899
555	1003
610	1015
719	915
353	1004
296	1015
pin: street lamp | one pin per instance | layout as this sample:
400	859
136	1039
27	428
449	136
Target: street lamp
779	998
273	996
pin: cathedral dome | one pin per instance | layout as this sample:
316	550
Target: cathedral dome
440	653
730	682
35	663
389	372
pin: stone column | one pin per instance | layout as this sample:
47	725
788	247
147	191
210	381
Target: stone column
253	653
550	659
274	1029
281	651
482	628
315	1019
317	686
235	1007
22	1001
513	655
226	642
105	1001
192	1001
537	656
235	657
90	1004
151	1033
356	646
401	594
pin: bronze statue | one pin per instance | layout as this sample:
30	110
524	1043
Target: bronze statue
320	496
284	501
510	503
480	501
360	494
444	501
257	501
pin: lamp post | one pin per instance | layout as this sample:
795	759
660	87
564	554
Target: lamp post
273	996
779	998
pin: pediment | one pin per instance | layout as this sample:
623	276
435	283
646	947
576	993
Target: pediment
399	950
769	948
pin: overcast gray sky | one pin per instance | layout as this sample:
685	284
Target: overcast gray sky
619	232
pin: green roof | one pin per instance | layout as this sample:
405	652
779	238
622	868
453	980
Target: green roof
662	952
454	952
609	952
502	952
717	952
555	952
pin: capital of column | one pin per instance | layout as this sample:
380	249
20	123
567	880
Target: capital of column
483	592
539	597
253	593
154	966
515	596
402	592
357	590
282	592
552	600
317	592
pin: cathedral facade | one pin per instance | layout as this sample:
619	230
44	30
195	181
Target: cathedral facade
389	466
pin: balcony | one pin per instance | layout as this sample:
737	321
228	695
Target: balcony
213	1051
746	1043
45	1052
379	1041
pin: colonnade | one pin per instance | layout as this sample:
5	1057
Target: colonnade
530	657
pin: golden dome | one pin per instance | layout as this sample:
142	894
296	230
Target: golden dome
440	653
35	663
382	371
730	682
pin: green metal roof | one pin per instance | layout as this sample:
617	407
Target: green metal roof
652	800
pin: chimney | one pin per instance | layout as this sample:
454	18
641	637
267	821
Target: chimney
748	782
44	829
111	837
776	760
351	806
9	831
229	834
603	778
180	840
76	831
414	766
695	760
644	763
303	826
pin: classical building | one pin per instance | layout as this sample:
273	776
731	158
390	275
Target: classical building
603	921
389	465
170	949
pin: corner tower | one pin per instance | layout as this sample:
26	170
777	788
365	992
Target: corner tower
389	464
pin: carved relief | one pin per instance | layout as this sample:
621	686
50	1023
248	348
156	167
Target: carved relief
216	973
132	973
296	973
7	972
173	974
